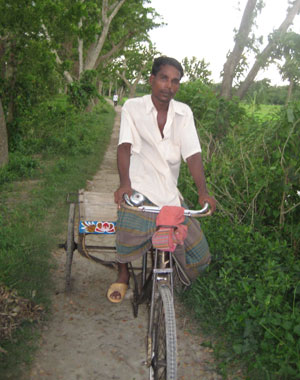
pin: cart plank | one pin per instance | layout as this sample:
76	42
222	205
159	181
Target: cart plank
96	206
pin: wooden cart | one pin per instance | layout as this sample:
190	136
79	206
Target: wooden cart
92	234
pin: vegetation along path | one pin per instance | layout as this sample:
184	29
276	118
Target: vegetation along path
88	337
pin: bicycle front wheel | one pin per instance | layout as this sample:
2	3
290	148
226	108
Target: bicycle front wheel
164	351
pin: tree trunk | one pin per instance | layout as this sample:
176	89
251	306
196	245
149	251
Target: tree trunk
240	43
132	89
121	93
110	89
265	54
290	90
95	49
100	86
3	138
80	51
67	75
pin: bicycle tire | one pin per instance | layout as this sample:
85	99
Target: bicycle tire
164	342
70	245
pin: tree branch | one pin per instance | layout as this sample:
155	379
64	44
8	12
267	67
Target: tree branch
265	54
240	43
93	54
113	50
67	75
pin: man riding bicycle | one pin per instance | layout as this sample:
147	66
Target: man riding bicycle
156	133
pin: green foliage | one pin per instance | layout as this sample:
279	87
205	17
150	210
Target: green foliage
39	49
196	70
252	289
252	295
133	66
218	115
81	92
261	92
28	66
19	166
288	48
33	213
54	127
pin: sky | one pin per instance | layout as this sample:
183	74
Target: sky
205	29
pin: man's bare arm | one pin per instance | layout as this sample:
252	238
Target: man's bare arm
123	161
196	169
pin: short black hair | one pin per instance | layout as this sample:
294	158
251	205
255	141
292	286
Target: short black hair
162	61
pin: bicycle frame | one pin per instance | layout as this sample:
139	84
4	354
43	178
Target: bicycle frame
161	271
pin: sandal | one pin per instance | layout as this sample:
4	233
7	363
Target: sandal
117	287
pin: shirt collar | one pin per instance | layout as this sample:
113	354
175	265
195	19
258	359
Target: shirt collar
176	106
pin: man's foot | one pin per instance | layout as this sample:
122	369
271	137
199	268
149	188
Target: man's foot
117	290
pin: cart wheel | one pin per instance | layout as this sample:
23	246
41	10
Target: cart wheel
70	245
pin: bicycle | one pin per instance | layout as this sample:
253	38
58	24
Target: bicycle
158	287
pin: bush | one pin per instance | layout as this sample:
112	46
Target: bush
55	127
216	114
252	290
81	92
251	296
19	166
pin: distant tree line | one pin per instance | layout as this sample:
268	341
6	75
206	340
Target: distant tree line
86	49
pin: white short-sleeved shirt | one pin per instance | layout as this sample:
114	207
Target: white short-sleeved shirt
155	160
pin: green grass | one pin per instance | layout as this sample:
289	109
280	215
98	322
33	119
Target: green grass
263	112
33	216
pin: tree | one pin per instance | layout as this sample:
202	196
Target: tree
3	138
263	58
99	30
135	64
196	70
45	44
289	49
241	41
258	92
26	63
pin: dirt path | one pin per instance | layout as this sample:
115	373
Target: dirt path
89	338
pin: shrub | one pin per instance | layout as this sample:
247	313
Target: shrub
81	92
19	166
252	289
216	114
55	127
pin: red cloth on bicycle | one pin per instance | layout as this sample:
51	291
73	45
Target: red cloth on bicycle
170	230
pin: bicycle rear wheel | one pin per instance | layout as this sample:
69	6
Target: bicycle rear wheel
70	245
164	351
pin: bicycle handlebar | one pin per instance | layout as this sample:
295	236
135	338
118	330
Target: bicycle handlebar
137	199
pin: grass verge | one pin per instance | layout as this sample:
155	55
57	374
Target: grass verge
33	218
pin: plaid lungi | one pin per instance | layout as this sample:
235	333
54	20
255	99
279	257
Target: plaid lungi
133	238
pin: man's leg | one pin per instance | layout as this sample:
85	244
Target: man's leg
195	256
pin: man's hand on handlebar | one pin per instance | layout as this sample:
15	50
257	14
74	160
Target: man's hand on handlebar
119	194
205	198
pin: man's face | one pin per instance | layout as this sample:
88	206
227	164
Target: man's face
165	83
